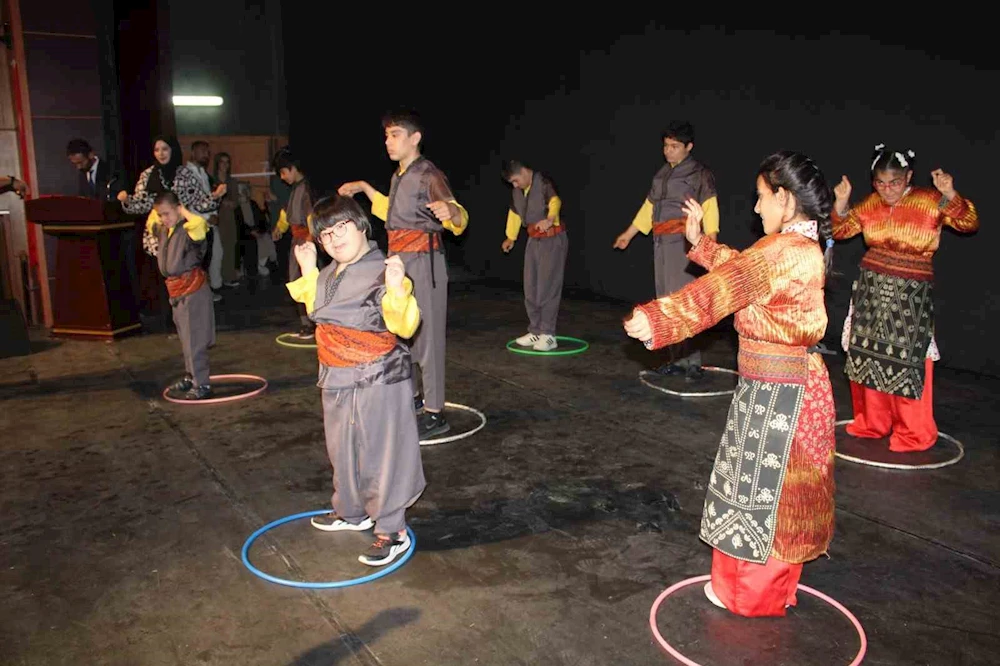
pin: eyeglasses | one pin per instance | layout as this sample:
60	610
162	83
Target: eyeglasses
336	231
891	185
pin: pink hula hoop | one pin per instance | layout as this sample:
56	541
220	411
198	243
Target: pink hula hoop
229	398
701	579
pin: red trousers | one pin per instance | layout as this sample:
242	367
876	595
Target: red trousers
910	421
754	590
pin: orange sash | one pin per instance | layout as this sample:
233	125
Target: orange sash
411	240
676	226
300	232
554	230
185	284
898	264
343	347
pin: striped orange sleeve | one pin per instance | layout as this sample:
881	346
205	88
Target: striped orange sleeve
701	304
710	254
960	214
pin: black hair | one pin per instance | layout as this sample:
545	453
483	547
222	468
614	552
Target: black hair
332	210
511	168
884	159
198	144
215	165
162	178
408	119
800	176
679	130
78	147
167	197
285	159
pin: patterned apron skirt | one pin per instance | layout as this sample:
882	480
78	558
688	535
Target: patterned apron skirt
892	326
741	504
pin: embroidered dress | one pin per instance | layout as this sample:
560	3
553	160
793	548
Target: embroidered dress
769	505
889	332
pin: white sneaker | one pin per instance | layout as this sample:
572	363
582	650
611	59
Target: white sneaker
545	343
710	593
527	340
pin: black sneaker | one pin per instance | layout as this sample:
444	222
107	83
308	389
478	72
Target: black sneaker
432	423
670	370
199	392
184	385
418	404
385	549
694	373
331	522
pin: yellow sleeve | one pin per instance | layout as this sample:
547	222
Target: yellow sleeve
450	225
513	225
401	314
303	290
710	220
282	225
196	227
152	221
555	205
644	218
380	206
309	223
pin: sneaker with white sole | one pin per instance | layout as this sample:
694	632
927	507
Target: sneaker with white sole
526	340
331	522
545	343
385	549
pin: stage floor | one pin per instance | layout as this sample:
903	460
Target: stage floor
542	539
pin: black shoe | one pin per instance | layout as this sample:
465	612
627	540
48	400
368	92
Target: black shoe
418	404
671	370
385	549
184	385
307	333
694	373
199	392
432	423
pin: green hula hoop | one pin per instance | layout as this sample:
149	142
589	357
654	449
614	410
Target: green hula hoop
296	345
512	346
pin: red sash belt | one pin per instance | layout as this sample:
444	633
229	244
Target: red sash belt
675	226
412	240
554	230
185	284
898	264
300	232
343	347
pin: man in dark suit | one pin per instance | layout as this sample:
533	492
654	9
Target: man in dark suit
97	179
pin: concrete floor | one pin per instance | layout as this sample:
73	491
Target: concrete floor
542	539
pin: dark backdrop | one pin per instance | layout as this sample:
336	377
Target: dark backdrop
587	107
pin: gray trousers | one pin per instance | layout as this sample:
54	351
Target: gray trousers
194	317
544	267
673	271
428	346
374	447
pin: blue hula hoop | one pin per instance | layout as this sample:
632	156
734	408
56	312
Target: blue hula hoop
340	583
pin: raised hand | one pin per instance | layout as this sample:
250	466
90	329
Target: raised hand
692	228
350	189
842	192
394	273
305	254
944	183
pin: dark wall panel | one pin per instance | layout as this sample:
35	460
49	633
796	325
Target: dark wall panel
588	108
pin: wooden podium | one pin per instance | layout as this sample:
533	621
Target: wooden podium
94	296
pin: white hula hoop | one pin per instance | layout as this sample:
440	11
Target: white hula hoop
463	435
873	463
684	394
